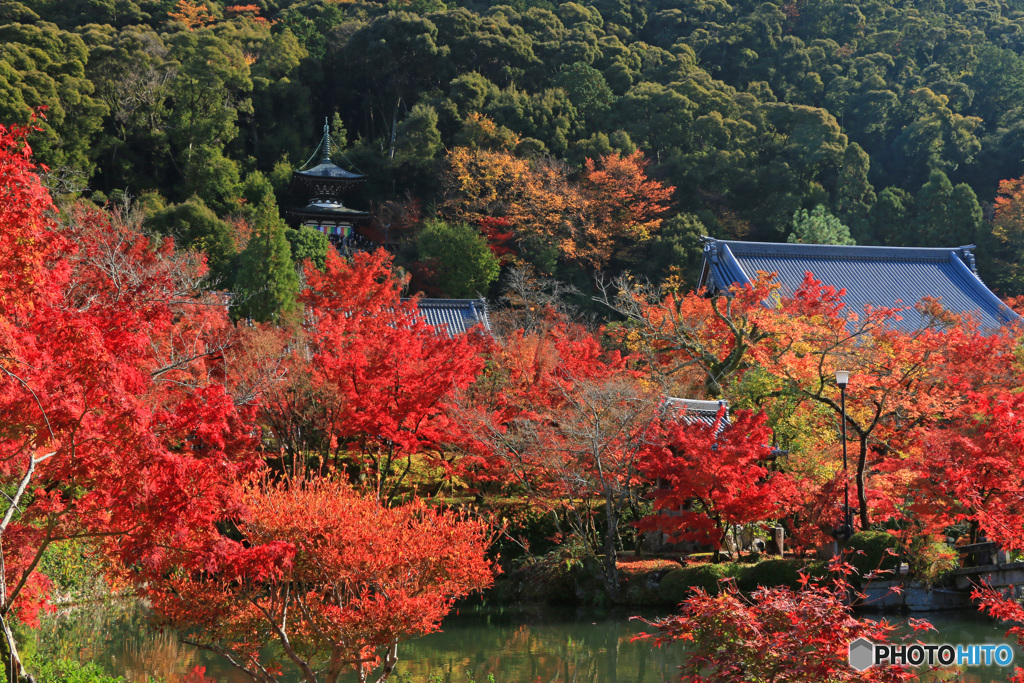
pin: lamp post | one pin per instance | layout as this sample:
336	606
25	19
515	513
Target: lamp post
842	379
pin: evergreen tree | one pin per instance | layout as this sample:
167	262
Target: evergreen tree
947	215
676	249
892	218
466	267
193	225
418	137
267	283
308	245
855	197
818	227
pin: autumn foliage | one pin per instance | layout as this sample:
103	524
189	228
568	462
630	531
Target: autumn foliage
389	376
712	477
333	577
969	470
591	219
193	14
260	484
776	634
115	425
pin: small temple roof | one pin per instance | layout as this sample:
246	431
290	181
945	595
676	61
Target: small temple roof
455	316
694	410
876	276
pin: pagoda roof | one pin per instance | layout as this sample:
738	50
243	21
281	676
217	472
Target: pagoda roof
328	209
328	169
454	316
326	179
880	277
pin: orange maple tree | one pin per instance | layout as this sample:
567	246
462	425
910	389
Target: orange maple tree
335	579
193	15
1008	231
590	219
623	207
900	383
692	339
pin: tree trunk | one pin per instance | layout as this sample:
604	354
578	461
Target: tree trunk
390	659
394	129
716	557
862	494
611	570
14	670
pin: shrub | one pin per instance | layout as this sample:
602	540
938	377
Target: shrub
769	574
676	585
930	561
869	551
69	671
799	636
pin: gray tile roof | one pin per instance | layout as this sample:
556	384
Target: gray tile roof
693	410
326	169
455	315
879	276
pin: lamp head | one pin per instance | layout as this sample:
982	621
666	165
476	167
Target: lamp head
842	378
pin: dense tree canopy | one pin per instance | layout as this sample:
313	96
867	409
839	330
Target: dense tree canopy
754	110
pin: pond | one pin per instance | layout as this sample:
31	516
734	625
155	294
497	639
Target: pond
518	644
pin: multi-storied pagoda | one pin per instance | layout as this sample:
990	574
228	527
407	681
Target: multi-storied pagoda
326	186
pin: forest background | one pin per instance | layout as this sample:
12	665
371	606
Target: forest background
899	118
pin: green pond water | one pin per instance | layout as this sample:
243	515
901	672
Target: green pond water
519	644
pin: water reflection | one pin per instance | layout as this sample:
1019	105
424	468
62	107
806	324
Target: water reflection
526	645
973	628
118	638
514	645
518	645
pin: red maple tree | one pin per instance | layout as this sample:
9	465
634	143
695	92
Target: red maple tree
712	478
100	439
970	468
390	375
558	416
777	634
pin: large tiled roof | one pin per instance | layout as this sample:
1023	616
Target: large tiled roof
876	276
455	315
692	410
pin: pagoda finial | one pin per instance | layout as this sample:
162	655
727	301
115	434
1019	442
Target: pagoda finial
326	144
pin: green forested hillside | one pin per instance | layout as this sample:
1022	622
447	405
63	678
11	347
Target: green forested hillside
900	118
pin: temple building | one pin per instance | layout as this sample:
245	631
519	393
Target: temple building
876	276
325	187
